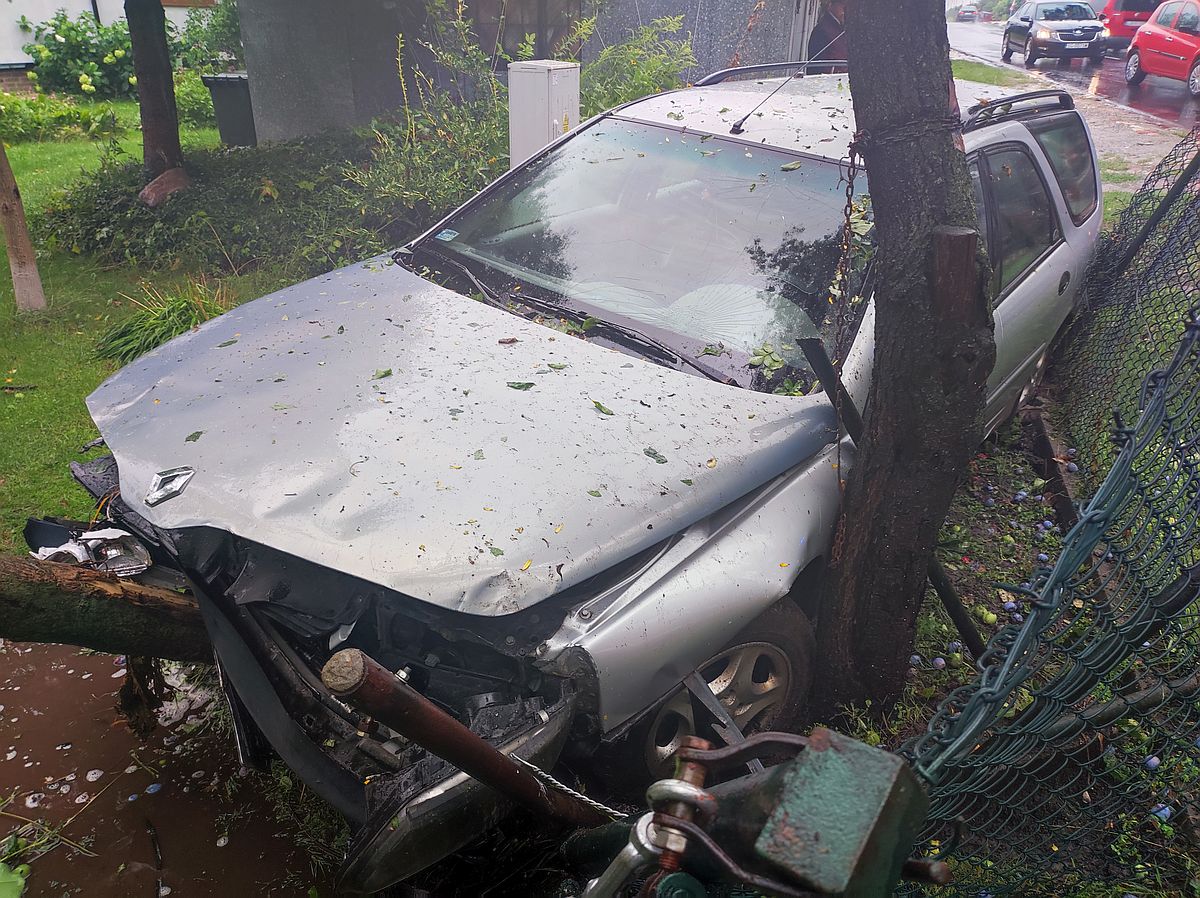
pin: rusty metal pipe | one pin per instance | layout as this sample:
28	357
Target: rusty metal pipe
370	687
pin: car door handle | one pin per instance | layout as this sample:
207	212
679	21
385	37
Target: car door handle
1063	282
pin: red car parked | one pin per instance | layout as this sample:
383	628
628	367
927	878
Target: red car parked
1122	18
1168	45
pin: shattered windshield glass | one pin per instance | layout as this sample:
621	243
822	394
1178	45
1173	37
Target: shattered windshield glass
710	245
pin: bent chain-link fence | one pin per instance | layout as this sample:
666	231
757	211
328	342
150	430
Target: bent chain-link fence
1074	756
1135	297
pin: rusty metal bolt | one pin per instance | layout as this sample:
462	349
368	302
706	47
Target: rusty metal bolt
672	841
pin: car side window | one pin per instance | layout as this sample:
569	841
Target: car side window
1064	141
1025	223
1166	15
1189	19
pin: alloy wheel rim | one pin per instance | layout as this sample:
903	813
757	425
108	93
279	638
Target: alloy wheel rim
1131	66
751	680
1194	81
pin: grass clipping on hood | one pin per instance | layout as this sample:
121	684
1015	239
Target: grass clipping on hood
160	316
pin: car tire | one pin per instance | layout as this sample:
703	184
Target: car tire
1134	73
1031	55
1193	79
779	644
1006	53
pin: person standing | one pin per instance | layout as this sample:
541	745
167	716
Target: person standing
828	38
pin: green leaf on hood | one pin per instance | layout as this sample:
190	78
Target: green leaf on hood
602	408
656	455
520	384
193	436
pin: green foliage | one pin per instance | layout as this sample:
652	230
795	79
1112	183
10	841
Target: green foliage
313	204
160	316
648	63
283	205
81	56
192	100
44	116
212	38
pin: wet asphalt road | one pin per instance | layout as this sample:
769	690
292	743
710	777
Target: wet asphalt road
1166	100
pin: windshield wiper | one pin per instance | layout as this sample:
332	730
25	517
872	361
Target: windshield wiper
627	334
403	257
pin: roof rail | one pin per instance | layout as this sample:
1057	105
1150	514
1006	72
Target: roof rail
808	67
1003	107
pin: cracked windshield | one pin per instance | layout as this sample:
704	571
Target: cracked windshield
712	247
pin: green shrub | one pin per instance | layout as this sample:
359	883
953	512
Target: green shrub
45	116
281	204
81	56
192	100
212	38
160	317
310	205
648	63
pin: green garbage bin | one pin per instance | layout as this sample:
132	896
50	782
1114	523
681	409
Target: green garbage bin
231	103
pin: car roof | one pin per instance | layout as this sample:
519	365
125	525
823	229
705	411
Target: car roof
812	114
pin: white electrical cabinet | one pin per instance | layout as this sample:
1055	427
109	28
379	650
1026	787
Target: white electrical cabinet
543	104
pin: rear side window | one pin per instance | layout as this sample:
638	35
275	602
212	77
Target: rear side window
1166	15
1137	5
1026	226
1064	141
1189	19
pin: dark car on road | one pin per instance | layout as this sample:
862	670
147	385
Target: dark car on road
1168	46
968	12
1061	30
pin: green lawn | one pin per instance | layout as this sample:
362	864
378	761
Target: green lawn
982	73
52	353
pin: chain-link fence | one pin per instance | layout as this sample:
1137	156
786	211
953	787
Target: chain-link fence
1135	299
1074	756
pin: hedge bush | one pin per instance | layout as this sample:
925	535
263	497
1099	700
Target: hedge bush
193	102
81	56
44	116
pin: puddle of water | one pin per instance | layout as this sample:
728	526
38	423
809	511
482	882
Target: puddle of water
66	752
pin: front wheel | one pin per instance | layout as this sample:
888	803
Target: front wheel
1031	55
1193	81
1006	53
1134	73
762	677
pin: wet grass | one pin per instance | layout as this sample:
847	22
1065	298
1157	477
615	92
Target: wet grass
982	73
1117	170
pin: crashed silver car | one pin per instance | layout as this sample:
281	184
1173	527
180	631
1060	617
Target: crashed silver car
559	456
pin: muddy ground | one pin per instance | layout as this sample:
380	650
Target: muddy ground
175	815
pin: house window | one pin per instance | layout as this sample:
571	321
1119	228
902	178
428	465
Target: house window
503	24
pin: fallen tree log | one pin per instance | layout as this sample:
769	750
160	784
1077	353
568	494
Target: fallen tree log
42	601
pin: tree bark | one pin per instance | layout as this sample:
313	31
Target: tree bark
45	602
156	88
933	352
27	283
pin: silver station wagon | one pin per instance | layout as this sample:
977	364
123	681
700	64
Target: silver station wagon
559	457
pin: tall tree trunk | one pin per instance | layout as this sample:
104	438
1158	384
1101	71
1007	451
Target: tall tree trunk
45	602
931	360
156	89
27	283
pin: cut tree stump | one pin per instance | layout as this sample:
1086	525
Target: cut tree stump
42	601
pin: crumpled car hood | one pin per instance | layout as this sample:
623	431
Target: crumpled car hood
368	421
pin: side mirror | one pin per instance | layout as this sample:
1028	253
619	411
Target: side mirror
1027	20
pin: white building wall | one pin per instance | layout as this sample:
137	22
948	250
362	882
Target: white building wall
12	38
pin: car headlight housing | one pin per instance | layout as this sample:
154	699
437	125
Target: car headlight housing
1045	34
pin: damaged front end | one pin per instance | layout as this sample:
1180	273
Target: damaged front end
276	620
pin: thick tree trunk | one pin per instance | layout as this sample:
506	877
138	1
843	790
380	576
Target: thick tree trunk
156	89
45	602
27	283
931	359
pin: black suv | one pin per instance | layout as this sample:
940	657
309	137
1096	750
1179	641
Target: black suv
1057	30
